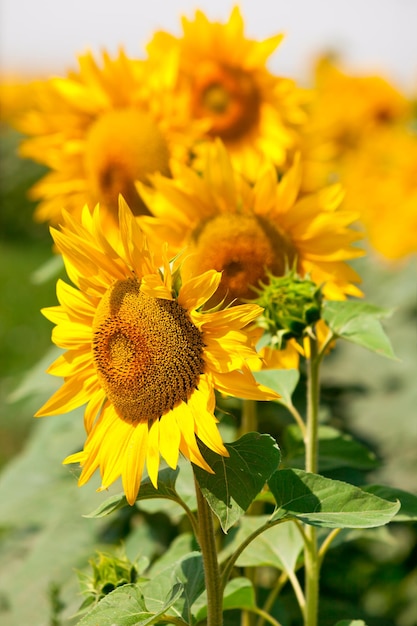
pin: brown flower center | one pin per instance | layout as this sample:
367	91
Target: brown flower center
243	248
147	352
124	146
227	96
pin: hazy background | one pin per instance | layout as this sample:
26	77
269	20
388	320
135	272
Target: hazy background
39	36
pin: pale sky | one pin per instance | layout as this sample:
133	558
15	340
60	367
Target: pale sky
378	36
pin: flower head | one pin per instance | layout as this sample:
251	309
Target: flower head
222	78
381	179
291	305
344	110
348	106
99	130
141	353
247	231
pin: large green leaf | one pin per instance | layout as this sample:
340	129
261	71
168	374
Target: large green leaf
188	572
321	501
44	536
238	594
125	606
237	479
408	511
283	382
359	323
336	450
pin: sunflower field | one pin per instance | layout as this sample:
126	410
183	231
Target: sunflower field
208	278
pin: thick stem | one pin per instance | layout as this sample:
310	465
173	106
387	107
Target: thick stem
207	541
312	576
311	556
313	398
249	425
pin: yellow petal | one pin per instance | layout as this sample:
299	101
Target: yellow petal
134	462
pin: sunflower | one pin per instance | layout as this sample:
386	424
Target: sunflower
99	130
381	180
223	80
247	231
141	354
344	110
16	96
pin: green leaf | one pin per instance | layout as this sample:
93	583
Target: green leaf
283	382
114	503
44	536
189	573
408	511
237	479
359	323
238	594
125	606
336	450
328	503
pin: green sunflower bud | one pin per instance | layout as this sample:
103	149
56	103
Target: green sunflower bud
291	304
108	572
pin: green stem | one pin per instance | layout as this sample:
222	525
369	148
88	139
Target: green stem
295	583
250	424
312	573
187	510
297	417
265	616
207	541
311	556
249	417
230	563
326	543
269	603
313	398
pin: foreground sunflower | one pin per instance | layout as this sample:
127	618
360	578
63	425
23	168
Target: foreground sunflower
222	78
98	130
141	354
247	231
